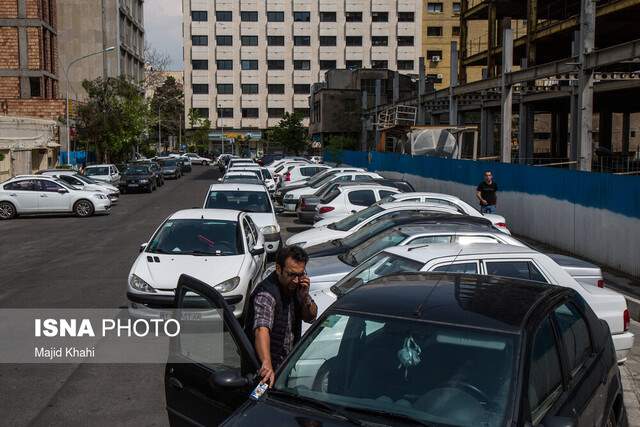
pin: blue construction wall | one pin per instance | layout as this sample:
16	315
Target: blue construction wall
590	214
76	158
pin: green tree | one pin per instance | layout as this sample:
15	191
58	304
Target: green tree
167	106
290	134
200	128
336	144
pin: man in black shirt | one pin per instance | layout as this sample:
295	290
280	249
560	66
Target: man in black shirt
486	194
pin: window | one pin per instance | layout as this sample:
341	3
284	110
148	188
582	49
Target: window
379	40
327	64
434	7
199	40
385	193
275	113
327	17
275	64
249	16
405	40
225	113
250	88
354	40
301	64
275	16
301	89
327	40
199	15
435	78
200	88
406	17
224	88
434	55
455	31
405	65
379	16
34	87
516	269
353	64
224	40
48	186
275	40
301	40
545	373
304	112
249	64
224	16
467	240
249	40
25	185
301	17
379	64
353	16
434	31
203	113
574	334
362	197
250	113
277	89
200	64
456	8
462	267
224	64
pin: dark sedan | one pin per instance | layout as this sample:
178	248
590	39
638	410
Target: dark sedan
170	167
138	177
412	349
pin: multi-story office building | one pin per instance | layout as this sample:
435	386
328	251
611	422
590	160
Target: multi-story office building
249	61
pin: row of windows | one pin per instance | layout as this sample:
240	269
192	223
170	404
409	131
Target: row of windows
438	32
279	64
251	113
252	16
438	7
199	40
249	88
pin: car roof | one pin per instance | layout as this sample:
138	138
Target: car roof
502	304
104	165
425	253
33	176
424	194
221	214
237	187
446	227
417	205
367	186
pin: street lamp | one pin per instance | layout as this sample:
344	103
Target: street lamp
66	74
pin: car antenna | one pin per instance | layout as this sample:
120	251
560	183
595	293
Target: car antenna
418	311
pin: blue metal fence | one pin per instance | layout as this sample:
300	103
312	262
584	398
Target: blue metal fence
76	157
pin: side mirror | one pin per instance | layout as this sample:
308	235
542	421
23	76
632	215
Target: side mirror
63	191
257	250
143	247
230	379
554	421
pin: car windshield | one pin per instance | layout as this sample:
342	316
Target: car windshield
97	171
372	246
168	163
196	237
320	176
367	231
323	181
378	265
137	170
247	201
351	221
244	179
403	370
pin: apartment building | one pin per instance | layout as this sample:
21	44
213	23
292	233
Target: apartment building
247	62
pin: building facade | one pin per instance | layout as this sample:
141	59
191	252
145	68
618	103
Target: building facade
247	62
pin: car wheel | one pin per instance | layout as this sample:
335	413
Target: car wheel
206	163
83	208
7	210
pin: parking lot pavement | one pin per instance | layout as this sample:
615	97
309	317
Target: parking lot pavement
69	262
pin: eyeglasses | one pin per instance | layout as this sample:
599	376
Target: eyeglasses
296	275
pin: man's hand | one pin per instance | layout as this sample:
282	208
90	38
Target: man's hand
483	202
266	373
303	286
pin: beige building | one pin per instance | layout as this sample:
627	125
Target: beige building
248	61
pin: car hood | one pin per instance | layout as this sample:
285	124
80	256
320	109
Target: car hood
100	177
263	219
327	269
137	176
331	220
164	274
273	412
315	236
324	249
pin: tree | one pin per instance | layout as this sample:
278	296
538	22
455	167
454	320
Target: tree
336	144
156	63
290	133
200	127
113	119
167	105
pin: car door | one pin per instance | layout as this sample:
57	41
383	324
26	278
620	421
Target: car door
194	378
115	175
359	199
24	194
53	197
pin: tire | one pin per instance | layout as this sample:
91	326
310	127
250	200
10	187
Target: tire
7	210
83	208
206	164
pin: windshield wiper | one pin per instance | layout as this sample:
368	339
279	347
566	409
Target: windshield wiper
199	253
390	415
333	410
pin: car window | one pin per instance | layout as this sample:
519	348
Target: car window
362	178
444	203
254	229
343	178
374	245
467	240
24	185
248	234
362	197
460	267
71	180
429	240
575	335
49	186
404	187
516	269
352	220
307	171
196	237
385	193
97	171
247	201
545	374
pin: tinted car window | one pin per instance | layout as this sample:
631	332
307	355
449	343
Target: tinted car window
49	186
362	197
575	335
24	185
97	171
463	267
247	201
308	171
362	178
545	375
385	193
516	269
71	180
429	240
351	221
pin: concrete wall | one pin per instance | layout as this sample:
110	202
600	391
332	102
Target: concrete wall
593	215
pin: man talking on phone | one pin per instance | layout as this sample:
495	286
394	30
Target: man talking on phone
277	307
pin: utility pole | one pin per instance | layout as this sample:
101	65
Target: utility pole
507	92
585	84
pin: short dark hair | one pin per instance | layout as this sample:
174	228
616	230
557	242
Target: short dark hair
295	252
488	171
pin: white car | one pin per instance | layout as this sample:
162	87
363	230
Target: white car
498	220
221	247
343	201
85	183
280	171
489	259
277	163
243	162
262	173
107	173
197	159
352	223
242	177
302	172
252	199
37	194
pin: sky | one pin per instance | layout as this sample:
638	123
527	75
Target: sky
163	31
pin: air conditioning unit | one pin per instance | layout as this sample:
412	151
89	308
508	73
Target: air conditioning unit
440	76
435	58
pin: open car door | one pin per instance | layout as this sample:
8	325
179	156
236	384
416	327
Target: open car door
202	389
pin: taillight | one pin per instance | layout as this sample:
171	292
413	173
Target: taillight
600	283
501	224
325	209
303	204
287	176
627	319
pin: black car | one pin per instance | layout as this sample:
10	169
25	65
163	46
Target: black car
155	168
412	349
170	167
138	177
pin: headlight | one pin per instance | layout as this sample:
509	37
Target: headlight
144	181
288	196
100	196
269	229
140	285
228	285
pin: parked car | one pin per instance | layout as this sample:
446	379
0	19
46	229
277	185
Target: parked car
252	199
107	173
446	350
344	200
84	183
315	182
277	163
316	159
241	177
170	167
155	168
301	172
196	159
262	173
584	272
223	247
493	260
138	177
183	161
280	171
38	194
